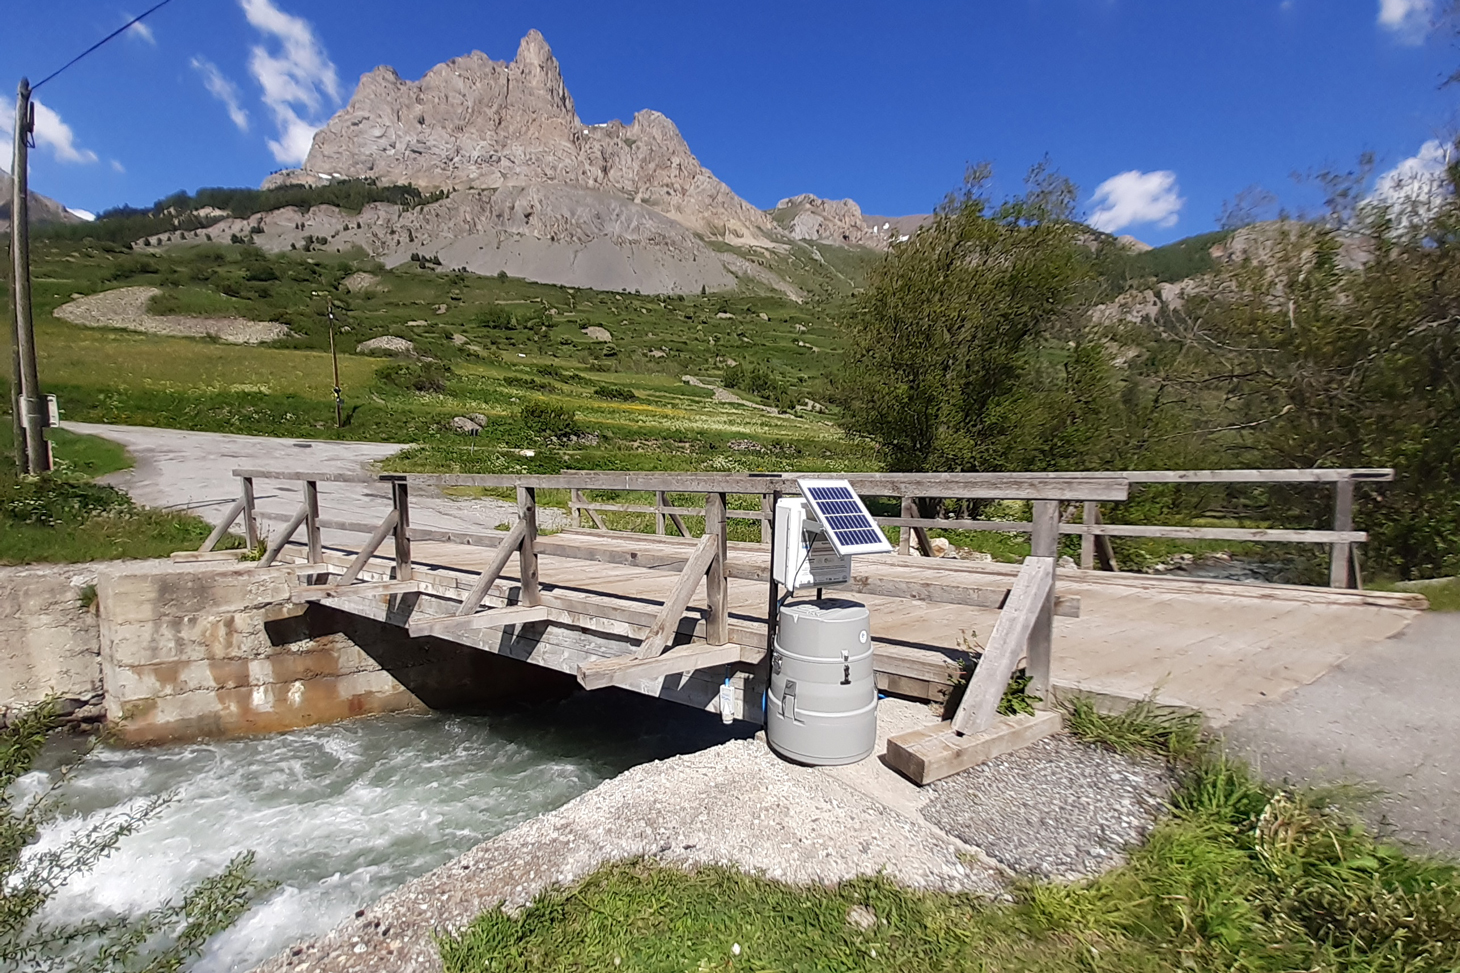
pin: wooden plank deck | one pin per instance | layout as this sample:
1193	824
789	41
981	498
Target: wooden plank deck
1218	647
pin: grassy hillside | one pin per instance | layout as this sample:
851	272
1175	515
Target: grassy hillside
581	378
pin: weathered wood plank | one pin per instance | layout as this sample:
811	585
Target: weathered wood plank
400	498
229	516
320	477
368	589
717	624
679	598
1219	533
932	753
510	544
1006	646
1372	475
284	535
686	658
527	547
372	544
445	626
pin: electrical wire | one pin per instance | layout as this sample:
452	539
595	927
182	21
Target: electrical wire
119	30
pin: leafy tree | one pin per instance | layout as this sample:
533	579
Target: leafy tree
950	363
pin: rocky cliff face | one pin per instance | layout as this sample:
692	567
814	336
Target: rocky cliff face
478	124
43	209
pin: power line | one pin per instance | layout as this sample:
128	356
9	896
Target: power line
119	30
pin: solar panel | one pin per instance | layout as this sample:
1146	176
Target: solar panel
849	526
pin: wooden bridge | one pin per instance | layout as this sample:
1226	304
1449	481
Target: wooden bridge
682	611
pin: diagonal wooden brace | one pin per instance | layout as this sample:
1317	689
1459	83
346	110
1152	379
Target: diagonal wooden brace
284	536
684	589
1027	599
387	526
493	571
229	516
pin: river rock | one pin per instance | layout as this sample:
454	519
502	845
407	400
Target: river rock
597	334
464	425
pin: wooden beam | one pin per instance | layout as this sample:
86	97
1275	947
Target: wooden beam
311	520
934	752
904	532
284	535
1219	533
717	591
493	570
400	498
446	625
229	516
1339	575
250	517
368	589
1044	542
685	658
1006	646
316	475
372	544
527	548
1371	475
679	598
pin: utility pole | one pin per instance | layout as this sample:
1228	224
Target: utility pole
329	308
37	455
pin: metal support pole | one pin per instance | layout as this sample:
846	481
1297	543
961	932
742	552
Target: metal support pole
1043	542
32	414
1340	573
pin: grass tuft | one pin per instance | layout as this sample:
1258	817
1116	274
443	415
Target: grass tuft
1142	728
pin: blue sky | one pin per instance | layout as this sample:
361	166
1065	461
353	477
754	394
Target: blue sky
1159	109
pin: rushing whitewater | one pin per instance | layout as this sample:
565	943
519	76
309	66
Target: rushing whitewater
340	815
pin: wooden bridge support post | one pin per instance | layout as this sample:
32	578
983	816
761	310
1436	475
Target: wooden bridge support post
717	625
1087	541
527	553
1340	570
250	521
1043	542
768	516
311	521
400	499
660	502
575	503
904	533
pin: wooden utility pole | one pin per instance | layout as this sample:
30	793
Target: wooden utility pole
329	308
37	456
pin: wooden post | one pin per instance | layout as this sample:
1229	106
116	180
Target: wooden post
768	512
1340	574
37	454
660	502
400	497
717	625
311	521
575	500
250	521
1087	541
527	553
904	533
1044	541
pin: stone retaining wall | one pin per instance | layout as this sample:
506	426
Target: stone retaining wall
48	639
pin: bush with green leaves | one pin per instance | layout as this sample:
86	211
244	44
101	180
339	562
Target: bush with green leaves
427	377
615	393
161	940
549	419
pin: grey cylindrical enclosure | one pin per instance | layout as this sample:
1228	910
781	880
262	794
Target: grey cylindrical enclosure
822	705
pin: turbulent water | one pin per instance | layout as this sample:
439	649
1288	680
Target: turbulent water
340	815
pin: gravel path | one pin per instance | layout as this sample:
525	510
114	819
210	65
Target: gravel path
126	307
735	804
1058	808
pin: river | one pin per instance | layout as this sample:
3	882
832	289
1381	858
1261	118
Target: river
340	815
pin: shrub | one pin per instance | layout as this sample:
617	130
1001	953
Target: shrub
428	376
549	419
615	393
49	502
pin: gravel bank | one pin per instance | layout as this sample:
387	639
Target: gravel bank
735	804
126	307
1058	808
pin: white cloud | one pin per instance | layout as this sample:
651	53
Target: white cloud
222	89
1137	197
1412	191
296	79
51	133
117	166
141	32
86	215
1408	20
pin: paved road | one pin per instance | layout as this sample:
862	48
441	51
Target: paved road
193	471
1389	717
